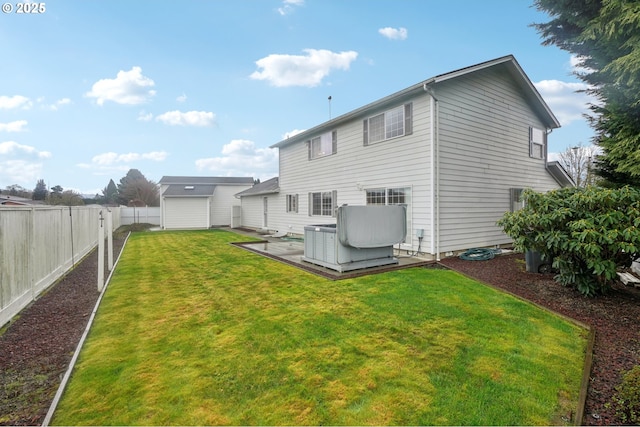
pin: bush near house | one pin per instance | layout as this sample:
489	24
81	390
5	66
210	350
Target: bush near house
588	232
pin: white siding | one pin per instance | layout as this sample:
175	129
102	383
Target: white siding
186	212
398	162
223	199
483	152
252	211
483	121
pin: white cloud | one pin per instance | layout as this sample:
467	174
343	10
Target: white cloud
394	33
567	104
14	102
145	117
16	126
182	98
288	6
292	133
129	87
12	147
110	158
25	166
190	118
59	103
241	157
21	172
574	65
298	70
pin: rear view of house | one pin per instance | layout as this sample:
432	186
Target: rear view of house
192	202
456	149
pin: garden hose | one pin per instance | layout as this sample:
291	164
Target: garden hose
478	254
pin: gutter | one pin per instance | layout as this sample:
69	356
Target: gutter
435	170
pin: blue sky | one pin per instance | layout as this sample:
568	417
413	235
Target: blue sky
90	89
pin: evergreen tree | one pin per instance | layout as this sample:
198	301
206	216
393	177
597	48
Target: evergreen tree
110	193
40	192
604	35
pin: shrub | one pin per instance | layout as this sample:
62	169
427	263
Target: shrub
588	232
627	398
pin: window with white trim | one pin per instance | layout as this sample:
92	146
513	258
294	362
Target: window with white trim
323	145
537	139
517	201
292	203
323	203
392	123
392	196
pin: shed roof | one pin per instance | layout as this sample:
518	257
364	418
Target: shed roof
215	180
270	186
181	190
507	62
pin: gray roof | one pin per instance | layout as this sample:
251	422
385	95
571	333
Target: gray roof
268	187
559	173
506	62
219	180
180	190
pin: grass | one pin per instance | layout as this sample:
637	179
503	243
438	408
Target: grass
193	331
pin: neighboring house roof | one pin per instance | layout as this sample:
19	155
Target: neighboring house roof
18	201
270	186
559	173
214	180
507	62
197	190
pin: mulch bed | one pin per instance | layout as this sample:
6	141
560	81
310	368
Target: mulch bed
36	348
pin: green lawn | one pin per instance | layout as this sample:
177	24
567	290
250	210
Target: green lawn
194	331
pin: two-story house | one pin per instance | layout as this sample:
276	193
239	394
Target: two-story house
457	149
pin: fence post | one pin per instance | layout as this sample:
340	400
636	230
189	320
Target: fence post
31	255
110	238
100	252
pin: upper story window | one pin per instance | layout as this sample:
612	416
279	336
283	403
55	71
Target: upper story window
323	145
537	140
392	123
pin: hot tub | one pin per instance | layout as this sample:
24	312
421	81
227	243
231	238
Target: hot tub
362	237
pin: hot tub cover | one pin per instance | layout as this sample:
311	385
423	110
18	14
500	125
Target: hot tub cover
371	226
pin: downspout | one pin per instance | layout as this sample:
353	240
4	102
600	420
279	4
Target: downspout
435	171
546	151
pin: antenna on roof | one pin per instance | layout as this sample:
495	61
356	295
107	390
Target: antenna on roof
329	107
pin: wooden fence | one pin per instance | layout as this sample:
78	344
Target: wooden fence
38	245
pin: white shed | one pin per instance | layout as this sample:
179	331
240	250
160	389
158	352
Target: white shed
191	202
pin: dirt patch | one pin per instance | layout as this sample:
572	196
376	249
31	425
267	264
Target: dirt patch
35	350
